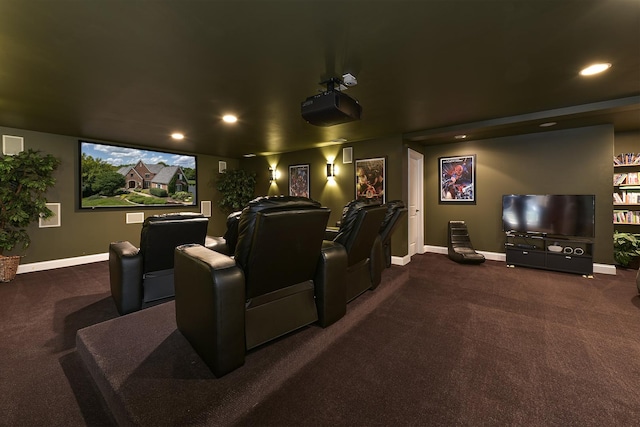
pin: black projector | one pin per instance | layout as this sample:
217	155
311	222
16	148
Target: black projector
330	108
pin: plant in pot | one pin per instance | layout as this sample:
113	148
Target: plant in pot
24	180
626	248
237	187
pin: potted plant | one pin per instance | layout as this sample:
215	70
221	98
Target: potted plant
626	248
24	180
237	187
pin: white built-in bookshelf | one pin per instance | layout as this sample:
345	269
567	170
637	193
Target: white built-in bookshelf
626	189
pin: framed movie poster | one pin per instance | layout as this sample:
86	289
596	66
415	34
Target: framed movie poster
458	179
370	179
299	180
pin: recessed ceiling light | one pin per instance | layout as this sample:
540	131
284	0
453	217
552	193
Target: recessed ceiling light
229	118
595	69
177	135
548	124
339	140
249	155
460	136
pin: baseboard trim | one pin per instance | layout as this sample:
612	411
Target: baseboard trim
395	260
497	256
400	260
59	263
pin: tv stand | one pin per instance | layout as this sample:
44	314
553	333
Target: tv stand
570	255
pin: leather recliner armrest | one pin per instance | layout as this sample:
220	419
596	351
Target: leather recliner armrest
210	306
330	285
125	276
217	244
331	233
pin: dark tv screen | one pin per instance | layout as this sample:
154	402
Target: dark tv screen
559	215
114	176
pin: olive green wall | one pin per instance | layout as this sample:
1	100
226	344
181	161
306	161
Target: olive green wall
577	161
337	193
88	232
574	161
627	142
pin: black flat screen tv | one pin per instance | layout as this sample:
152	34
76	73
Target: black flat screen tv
114	176
556	215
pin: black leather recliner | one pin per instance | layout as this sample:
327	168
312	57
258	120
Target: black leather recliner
396	211
459	246
282	277
139	276
359	234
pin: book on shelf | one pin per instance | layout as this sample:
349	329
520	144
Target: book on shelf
632	178
623	159
619	178
618	198
626	217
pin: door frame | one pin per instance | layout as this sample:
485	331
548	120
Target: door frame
416	159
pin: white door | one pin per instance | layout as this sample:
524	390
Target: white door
416	215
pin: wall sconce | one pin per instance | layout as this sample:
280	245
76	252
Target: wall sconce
331	170
272	174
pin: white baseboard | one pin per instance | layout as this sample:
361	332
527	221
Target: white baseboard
59	263
497	256
400	260
604	269
395	260
436	249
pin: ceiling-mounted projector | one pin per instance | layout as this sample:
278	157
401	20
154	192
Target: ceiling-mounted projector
330	107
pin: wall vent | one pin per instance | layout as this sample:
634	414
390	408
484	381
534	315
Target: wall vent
347	155
52	221
12	145
205	208
135	218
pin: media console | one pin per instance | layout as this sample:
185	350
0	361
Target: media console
570	255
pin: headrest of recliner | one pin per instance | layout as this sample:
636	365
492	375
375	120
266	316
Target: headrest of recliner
177	216
350	211
247	220
161	234
349	215
231	235
392	207
262	203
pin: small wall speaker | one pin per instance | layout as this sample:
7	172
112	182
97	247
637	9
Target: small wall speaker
205	208
347	155
52	221
222	166
12	145
135	218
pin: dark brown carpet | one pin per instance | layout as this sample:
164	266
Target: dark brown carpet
438	343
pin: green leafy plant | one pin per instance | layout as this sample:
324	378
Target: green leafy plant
237	187
626	247
24	180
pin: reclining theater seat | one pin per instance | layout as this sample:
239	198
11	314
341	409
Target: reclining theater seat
459	246
141	276
359	234
396	211
281	278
